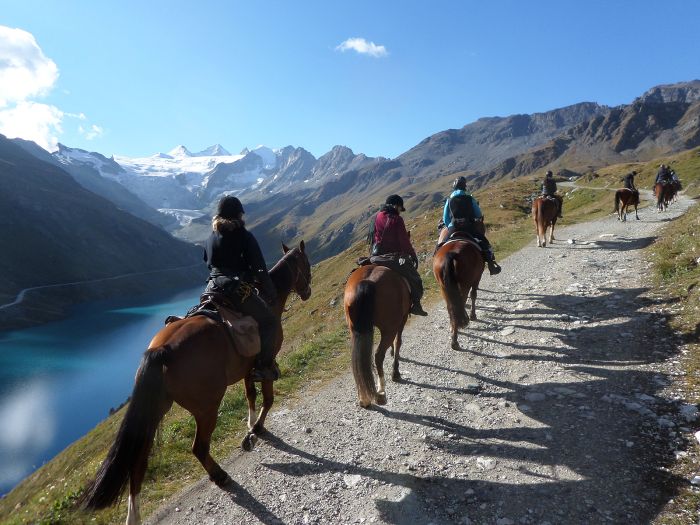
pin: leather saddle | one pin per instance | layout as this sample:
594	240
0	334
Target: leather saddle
241	329
461	235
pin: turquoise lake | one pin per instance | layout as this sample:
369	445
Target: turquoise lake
58	380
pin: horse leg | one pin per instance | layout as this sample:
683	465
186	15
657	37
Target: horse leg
551	233
395	374
206	422
268	393
250	394
472	295
250	439
379	355
635	212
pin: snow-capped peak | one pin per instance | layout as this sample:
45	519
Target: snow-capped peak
217	150
180	151
268	156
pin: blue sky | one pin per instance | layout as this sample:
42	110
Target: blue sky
134	78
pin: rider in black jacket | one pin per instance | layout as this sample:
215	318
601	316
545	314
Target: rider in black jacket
236	266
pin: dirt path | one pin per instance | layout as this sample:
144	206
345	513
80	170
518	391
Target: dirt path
558	412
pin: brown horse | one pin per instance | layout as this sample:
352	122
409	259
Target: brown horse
664	194
458	266
625	197
190	362
544	213
375	296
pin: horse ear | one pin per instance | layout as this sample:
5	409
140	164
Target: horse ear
301	246
284	248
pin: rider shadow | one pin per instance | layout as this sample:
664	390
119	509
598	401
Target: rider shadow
624	244
241	497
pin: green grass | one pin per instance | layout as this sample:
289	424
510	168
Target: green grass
676	276
316	345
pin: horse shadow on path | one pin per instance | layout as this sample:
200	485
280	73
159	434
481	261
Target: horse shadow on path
588	458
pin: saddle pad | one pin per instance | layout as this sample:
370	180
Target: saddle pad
463	239
241	329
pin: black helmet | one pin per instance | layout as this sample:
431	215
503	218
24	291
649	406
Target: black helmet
395	200
229	207
634	172
460	183
549	173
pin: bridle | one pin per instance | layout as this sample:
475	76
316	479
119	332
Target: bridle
299	273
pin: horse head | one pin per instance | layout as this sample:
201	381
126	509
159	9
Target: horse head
298	263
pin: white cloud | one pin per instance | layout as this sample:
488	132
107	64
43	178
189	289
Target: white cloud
33	121
24	70
94	132
362	46
26	74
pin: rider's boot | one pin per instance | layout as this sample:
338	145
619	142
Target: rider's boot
494	268
417	309
266	371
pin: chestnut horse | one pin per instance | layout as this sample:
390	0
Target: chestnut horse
458	266
375	296
544	213
664	193
625	197
190	362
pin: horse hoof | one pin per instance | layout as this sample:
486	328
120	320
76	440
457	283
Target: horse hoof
472	317
396	377
364	404
249	441
258	428
381	399
221	479
455	346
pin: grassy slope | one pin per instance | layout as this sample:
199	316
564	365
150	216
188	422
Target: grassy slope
315	350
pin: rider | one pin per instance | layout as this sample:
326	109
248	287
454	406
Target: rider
389	238
629	181
461	213
549	189
236	263
663	175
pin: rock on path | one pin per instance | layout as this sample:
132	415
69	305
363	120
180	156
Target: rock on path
568	423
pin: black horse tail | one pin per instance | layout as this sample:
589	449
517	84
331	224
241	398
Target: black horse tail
617	201
454	300
136	433
361	313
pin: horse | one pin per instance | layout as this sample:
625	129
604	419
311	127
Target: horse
625	197
664	194
544	212
191	362
375	296
458	266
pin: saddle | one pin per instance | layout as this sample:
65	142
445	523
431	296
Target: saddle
462	236
383	260
242	330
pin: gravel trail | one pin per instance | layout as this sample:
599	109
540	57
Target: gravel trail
558	411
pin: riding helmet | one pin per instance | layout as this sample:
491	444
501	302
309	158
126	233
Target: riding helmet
549	173
229	207
460	183
395	200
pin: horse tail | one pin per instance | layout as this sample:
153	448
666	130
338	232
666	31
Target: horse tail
454	300
617	201
361	313
136	433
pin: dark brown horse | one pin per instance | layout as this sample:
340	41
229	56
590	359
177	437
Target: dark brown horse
458	266
625	197
190	362
664	193
544	213
375	296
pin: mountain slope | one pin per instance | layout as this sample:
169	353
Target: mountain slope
55	231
